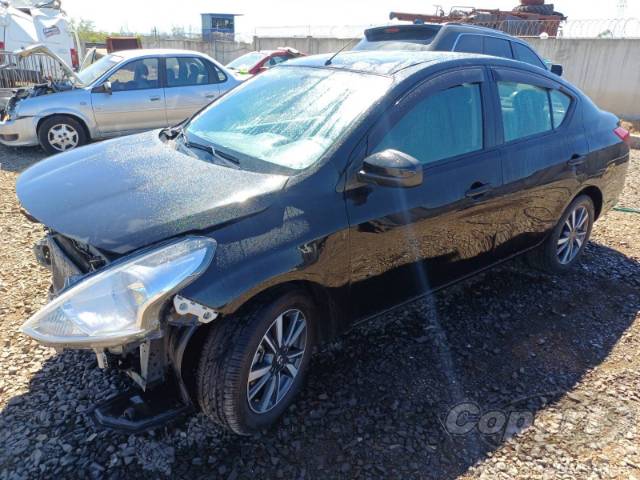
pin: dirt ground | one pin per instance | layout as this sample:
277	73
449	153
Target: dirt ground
512	374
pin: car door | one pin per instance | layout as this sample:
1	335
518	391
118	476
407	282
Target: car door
543	146
192	82
135	102
407	241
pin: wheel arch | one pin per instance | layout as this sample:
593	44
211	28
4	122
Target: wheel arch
78	118
328	310
596	197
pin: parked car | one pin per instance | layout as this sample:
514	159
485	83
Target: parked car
217	255
453	37
122	93
253	63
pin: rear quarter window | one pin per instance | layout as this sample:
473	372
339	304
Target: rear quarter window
525	54
560	104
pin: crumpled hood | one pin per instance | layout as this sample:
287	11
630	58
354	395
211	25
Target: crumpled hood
130	192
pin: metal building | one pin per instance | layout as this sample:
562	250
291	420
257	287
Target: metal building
218	25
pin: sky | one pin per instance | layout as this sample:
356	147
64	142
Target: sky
142	16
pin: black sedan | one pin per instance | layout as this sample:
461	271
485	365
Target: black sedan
210	259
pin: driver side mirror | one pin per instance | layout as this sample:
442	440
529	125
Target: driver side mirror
391	168
104	88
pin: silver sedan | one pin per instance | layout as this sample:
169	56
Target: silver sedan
123	93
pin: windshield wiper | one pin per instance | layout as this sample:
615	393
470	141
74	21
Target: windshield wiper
210	149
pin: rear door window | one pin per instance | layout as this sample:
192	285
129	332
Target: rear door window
186	71
443	125
525	54
497	47
525	110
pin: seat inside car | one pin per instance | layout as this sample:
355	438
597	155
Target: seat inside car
530	113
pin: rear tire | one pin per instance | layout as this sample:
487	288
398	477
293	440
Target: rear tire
562	249
61	133
544	9
248	344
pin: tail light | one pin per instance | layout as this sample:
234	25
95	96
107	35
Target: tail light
624	134
2	46
75	61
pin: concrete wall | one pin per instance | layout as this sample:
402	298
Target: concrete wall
309	45
224	52
607	70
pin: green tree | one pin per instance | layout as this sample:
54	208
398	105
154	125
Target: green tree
88	32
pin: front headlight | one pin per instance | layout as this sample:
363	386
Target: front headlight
121	303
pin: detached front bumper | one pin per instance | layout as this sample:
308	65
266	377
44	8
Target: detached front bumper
21	132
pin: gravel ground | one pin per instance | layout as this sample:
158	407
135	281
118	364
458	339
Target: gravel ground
555	359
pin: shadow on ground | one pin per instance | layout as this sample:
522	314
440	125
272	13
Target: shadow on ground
19	159
376	401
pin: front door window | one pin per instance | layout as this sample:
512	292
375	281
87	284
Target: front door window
137	75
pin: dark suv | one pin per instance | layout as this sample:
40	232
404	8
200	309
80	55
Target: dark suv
453	37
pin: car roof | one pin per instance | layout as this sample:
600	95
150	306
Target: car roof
156	52
449	27
402	64
379	62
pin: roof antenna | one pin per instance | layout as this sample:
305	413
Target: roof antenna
328	62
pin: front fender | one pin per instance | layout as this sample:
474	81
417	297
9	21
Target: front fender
323	262
86	117
76	103
301	238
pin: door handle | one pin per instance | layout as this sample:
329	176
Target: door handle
154	99
478	189
211	95
576	160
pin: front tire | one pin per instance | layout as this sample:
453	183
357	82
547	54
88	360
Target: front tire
562	249
61	133
253	365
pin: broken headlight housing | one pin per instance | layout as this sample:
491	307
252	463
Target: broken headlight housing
121	303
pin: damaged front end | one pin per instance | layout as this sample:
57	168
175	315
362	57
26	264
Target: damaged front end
32	72
128	311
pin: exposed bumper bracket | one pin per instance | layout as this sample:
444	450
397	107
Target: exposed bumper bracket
135	412
184	306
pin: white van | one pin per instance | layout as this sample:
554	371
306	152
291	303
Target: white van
27	22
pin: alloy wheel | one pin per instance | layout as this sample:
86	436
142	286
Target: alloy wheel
277	361
573	235
63	137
